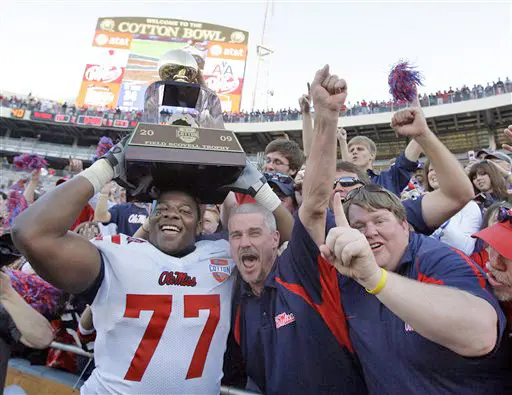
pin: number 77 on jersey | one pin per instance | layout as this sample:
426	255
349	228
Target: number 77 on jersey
161	305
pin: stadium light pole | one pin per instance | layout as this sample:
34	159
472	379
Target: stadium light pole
262	50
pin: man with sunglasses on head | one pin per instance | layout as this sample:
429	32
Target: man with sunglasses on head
421	316
348	177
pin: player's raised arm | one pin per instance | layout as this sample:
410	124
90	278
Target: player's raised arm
63	258
329	93
455	189
307	121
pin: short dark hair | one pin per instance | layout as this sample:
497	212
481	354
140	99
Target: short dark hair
290	150
199	206
342	165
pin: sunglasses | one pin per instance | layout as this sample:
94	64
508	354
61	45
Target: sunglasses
372	188
279	177
504	214
347	182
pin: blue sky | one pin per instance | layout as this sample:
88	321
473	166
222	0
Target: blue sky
44	46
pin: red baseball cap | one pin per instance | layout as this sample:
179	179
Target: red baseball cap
499	237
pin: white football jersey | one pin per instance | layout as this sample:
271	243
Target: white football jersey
161	322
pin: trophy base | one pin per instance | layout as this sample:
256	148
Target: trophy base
198	160
200	173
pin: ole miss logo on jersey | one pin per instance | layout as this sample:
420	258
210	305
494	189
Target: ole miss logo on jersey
284	319
177	278
220	269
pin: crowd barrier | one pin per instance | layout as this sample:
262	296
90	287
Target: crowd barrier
129	119
46	380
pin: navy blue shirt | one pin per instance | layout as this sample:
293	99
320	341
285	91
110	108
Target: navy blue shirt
397	177
294	337
128	217
415	216
395	358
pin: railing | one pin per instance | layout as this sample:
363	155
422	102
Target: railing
370	108
132	117
224	390
24	145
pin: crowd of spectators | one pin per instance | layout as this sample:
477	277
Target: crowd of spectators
362	107
432	208
34	103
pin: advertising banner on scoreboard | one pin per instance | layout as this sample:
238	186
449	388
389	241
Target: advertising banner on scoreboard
61	118
87	120
108	56
103	74
107	39
18	113
135	45
224	72
98	94
41	116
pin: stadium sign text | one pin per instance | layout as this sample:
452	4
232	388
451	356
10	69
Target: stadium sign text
171	31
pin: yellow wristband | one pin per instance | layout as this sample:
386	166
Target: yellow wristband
381	284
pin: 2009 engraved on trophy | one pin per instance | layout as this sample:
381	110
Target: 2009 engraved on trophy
185	137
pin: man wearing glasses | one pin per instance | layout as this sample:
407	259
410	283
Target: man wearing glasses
281	156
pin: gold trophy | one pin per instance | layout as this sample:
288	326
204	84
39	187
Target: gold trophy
178	65
182	143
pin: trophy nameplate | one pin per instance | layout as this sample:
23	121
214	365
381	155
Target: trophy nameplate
195	159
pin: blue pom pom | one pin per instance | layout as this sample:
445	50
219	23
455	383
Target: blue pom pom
403	80
104	145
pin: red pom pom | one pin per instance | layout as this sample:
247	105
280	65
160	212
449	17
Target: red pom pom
30	162
16	203
403	80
